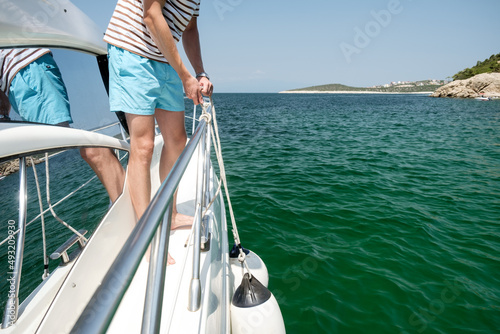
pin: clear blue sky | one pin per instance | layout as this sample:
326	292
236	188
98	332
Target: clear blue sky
269	46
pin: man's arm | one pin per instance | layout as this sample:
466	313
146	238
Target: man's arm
160	31
4	104
191	43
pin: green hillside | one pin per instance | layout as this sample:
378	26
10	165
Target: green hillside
329	87
491	64
406	87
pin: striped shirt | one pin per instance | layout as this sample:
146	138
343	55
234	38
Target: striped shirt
128	31
14	60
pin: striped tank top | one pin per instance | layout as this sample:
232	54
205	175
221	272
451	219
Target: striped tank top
128	31
14	60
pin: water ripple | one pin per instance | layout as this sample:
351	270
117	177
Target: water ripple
374	214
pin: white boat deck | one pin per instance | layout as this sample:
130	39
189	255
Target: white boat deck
128	318
58	303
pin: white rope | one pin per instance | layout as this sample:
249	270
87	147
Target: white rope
208	118
50	205
214	129
220	160
57	203
216	193
45	257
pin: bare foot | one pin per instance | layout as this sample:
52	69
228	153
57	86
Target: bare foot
181	221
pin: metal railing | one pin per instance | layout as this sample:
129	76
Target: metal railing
12	305
101	308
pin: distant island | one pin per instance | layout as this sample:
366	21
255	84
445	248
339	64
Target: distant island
481	80
395	87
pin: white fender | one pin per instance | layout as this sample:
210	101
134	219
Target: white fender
257	268
254	310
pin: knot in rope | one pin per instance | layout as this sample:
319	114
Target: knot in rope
241	256
206	116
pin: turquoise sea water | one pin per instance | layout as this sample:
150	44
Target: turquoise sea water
373	213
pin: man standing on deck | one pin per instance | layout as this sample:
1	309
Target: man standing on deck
30	82
147	77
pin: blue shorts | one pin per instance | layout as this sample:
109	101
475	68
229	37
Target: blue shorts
38	94
138	85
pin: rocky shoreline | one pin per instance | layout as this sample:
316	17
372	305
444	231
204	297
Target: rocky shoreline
12	166
485	84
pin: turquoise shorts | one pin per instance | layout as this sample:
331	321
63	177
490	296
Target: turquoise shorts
138	85
38	94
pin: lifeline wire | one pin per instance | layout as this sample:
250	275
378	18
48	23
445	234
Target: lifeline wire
58	202
50	205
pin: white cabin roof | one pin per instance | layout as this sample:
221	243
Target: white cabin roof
48	23
20	139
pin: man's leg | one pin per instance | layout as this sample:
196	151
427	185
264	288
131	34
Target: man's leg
107	168
141	151
173	130
141	129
